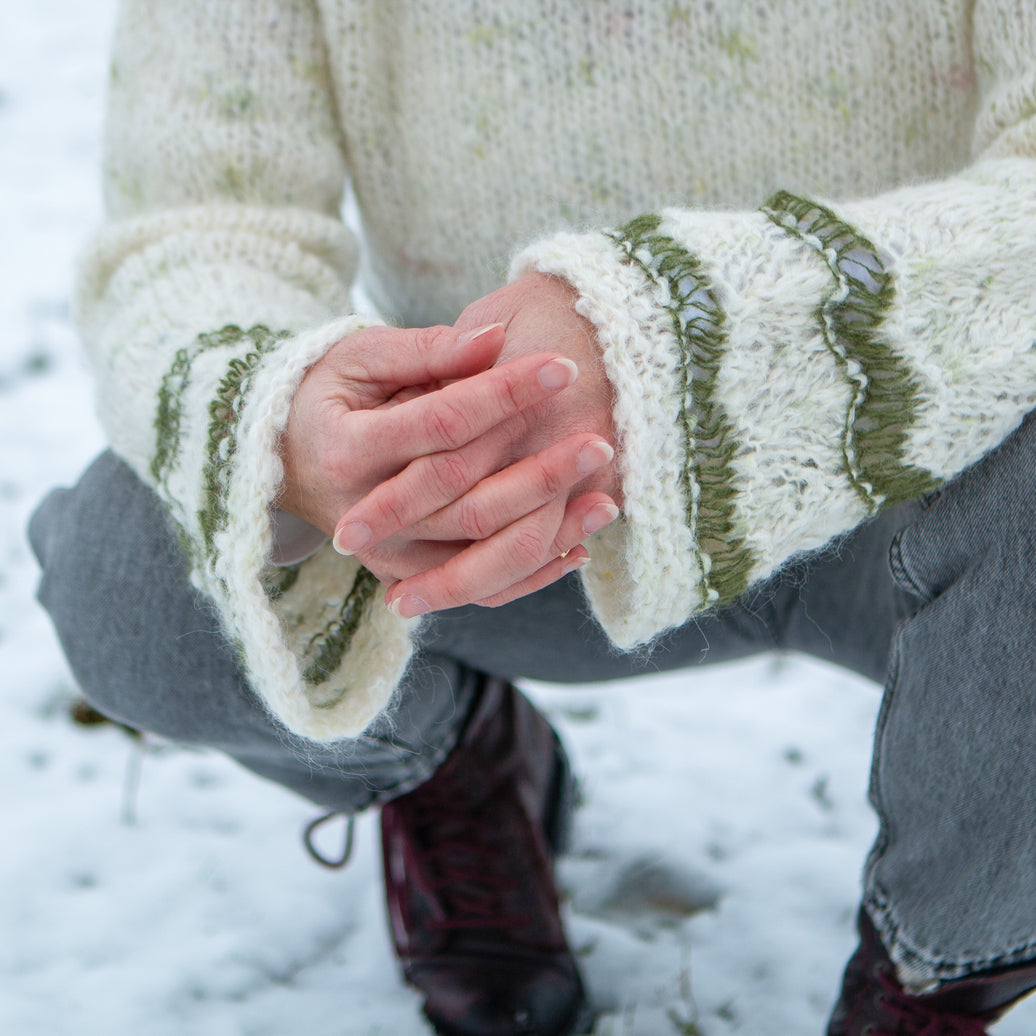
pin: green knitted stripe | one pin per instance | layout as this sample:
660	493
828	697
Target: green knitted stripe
224	414
168	419
168	415
707	480
278	581
329	646
884	396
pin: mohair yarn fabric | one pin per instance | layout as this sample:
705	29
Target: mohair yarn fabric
804	231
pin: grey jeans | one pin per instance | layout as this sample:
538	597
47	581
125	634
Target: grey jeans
935	597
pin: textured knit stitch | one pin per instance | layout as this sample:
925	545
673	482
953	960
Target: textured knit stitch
781	368
884	396
708	442
221	444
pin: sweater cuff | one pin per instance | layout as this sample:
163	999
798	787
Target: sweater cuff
747	426
316	641
645	572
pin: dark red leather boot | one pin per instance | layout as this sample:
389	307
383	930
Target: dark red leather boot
469	879
873	1003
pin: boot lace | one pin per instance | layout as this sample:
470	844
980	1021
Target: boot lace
913	1017
472	865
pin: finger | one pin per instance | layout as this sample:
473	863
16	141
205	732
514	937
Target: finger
523	487
460	502
460	412
557	569
394	560
485	568
419	355
441	423
489	567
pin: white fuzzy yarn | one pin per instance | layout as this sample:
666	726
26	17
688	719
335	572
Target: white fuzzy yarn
468	130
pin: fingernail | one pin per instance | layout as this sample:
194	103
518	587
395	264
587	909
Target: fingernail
592	456
598	517
574	565
469	336
351	537
408	606
558	374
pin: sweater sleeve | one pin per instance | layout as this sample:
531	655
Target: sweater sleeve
221	275
782	374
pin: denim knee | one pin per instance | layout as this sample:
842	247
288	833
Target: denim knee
146	649
950	881
143	645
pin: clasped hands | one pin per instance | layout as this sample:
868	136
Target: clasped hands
460	464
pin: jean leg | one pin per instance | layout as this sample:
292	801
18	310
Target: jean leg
840	605
145	649
936	598
951	881
552	636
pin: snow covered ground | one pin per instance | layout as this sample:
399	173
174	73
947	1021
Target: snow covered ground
160	891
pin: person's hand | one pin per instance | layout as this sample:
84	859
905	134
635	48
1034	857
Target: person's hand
382	397
557	485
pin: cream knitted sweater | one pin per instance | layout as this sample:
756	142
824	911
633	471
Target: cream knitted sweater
783	366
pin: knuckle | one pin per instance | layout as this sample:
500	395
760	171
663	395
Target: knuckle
550	483
471	520
391	512
450	472
429	340
456	594
511	394
450	426
529	547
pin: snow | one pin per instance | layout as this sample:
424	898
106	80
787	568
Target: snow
157	890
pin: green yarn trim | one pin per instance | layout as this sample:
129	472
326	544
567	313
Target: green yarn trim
277	580
224	415
884	396
332	642
707	480
169	418
168	414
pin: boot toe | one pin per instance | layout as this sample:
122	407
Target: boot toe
476	996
